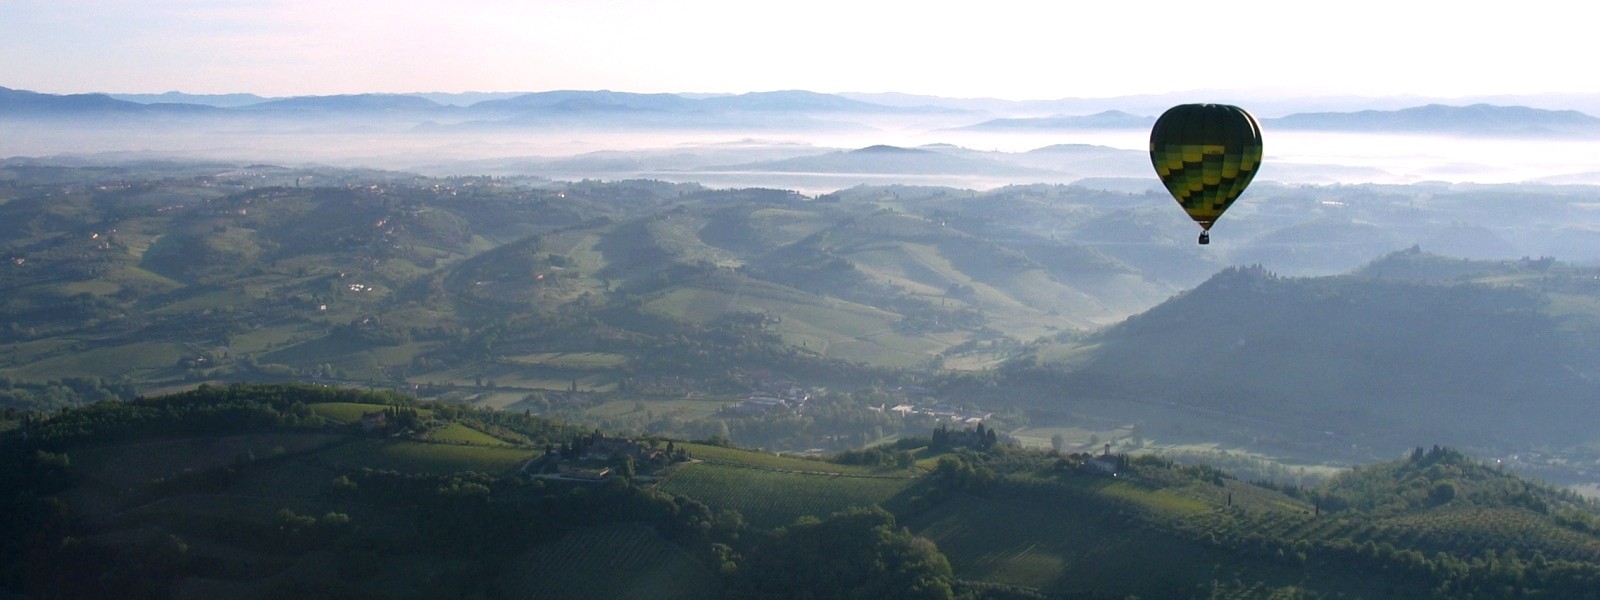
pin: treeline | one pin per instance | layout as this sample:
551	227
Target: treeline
241	408
832	421
493	518
472	526
209	410
859	553
60	393
1436	476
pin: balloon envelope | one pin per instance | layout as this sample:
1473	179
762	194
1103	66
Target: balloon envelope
1205	154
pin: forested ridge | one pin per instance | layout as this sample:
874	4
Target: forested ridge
331	505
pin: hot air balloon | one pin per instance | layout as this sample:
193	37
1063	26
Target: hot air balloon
1205	154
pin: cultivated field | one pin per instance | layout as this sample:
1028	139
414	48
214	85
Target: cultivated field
771	498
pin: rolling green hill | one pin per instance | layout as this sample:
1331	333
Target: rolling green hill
258	491
1491	355
658	308
177	274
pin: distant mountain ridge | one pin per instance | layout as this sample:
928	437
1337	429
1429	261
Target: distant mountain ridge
777	109
217	100
23	103
1477	119
1111	119
349	103
1440	118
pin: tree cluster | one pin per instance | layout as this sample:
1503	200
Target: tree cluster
860	554
979	438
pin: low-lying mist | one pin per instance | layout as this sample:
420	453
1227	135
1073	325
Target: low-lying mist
741	157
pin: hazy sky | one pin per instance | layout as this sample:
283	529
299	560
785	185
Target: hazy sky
1024	49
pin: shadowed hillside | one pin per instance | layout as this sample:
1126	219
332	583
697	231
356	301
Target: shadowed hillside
1413	346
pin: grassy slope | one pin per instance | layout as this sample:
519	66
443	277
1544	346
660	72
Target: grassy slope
830	327
424	457
771	491
1154	534
616	561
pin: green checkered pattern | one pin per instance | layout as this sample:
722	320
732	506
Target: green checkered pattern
1205	154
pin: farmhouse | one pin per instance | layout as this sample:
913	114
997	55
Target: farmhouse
375	420
1104	464
607	448
1107	462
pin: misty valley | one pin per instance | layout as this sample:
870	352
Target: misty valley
1400	376
782	345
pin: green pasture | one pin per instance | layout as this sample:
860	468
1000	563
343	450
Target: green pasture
583	251
138	463
619	561
681	239
516	380
136	360
499	398
462	434
829	327
1220	456
399	355
976	361
1062	547
704	304
694	304
355	360
782	225
1020	299
1575	312
22	353
345	412
97	287
577	245
1168	439
220	509
288	479
1161	499
688	409
1066	355
411	456
324	349
763	460
136	235
1165	501
215	298
570	360
918	268
267	338
1075	439
882	346
770	499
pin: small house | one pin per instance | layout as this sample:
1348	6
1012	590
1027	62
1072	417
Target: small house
375	420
